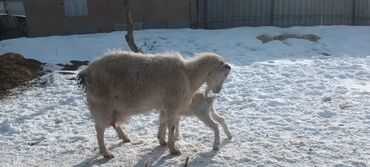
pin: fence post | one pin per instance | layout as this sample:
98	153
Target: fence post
205	14
190	12
353	12
272	10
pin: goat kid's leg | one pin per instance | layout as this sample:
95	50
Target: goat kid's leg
171	116
117	127
206	118
162	129
221	121
100	137
121	134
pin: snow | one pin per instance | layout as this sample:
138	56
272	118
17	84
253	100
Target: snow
287	103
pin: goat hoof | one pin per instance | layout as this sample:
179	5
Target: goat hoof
127	140
108	155
163	143
230	137
215	147
175	152
124	138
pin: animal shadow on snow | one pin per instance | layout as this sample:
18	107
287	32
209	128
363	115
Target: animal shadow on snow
154	158
94	161
205	158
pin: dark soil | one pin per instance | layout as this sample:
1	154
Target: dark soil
16	70
75	64
266	38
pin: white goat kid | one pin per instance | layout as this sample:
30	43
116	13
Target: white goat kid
202	107
123	84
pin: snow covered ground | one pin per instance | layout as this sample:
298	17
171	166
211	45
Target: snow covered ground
287	103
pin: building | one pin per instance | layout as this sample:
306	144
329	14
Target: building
60	17
12	7
12	19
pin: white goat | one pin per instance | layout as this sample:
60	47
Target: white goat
122	84
202	107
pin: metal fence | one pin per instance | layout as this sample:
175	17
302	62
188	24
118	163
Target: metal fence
282	13
12	26
12	7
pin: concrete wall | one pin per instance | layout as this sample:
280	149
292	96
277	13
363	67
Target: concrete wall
47	17
166	13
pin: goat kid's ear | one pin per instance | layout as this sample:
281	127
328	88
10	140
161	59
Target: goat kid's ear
207	91
215	95
212	98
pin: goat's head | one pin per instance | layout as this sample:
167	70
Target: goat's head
217	76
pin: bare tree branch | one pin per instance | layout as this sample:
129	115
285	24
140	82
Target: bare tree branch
130	28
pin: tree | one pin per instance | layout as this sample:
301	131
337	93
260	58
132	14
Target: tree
130	28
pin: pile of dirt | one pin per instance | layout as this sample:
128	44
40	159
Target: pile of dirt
75	64
16	70
266	38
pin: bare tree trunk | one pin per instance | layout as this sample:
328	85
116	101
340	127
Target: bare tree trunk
186	162
130	28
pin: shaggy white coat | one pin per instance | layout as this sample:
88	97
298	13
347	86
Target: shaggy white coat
122	84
